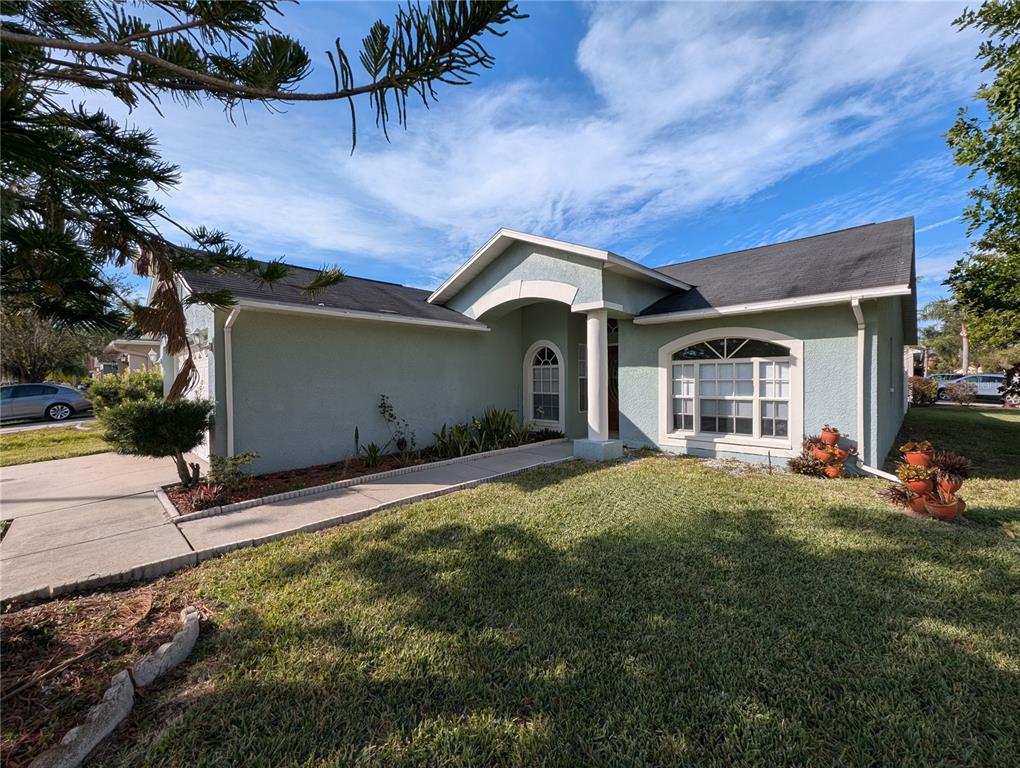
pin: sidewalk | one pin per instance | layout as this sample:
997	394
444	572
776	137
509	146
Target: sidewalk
94	519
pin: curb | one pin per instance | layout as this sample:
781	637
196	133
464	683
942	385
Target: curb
119	698
237	506
168	565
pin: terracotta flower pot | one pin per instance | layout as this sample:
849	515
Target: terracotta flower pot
944	511
918	458
949	485
917	505
842	454
832	471
920	487
830	437
822	454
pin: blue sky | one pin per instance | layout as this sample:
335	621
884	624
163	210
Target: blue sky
663	132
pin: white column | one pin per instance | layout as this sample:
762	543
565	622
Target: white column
597	355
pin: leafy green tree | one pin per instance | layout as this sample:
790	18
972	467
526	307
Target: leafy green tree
77	187
986	283
112	390
35	349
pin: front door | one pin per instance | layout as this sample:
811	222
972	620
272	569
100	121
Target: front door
614	391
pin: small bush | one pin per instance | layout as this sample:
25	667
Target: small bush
454	441
159	428
229	471
906	472
923	391
112	390
962	392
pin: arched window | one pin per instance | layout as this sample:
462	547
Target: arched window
731	386
545	385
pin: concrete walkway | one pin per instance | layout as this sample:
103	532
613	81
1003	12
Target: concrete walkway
96	517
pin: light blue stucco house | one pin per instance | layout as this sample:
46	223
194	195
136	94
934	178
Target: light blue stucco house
738	355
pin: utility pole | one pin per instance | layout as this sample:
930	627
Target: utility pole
965	349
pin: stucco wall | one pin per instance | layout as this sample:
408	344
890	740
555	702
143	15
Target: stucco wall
830	358
556	323
523	261
302	384
889	400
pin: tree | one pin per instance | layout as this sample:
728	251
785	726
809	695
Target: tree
34	349
159	428
76	186
986	283
941	333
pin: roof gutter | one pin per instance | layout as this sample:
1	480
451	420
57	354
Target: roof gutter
228	374
354	314
801	302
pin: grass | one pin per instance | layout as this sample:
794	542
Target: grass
47	444
659	612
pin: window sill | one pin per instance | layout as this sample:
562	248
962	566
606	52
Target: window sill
732	443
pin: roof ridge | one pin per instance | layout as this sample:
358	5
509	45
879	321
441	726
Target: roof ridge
347	276
783	242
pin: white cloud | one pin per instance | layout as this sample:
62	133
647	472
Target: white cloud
702	104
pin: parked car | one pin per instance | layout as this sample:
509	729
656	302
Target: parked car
38	401
942	376
987	384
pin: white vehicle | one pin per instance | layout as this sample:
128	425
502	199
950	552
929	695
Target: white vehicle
987	384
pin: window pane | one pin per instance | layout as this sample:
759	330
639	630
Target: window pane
724	371
708	388
766	427
718	346
745	371
744	408
745	388
783	410
780	428
706	371
755	348
783	371
696	352
744	427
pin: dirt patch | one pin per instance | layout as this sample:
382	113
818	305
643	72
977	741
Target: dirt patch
58	658
735	468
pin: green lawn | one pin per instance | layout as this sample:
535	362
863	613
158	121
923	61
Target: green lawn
45	444
659	612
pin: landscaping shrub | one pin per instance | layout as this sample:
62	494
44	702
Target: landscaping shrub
159	428
923	391
229	471
453	442
499	428
962	392
113	389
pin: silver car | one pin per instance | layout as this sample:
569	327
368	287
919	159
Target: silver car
37	401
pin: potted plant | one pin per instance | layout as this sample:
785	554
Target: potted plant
901	496
834	469
916	477
919	454
830	435
951	469
944	506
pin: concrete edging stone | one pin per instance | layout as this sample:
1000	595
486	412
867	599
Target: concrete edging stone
119	699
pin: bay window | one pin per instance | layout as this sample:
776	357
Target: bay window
731	386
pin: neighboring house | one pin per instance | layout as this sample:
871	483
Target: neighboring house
737	355
126	356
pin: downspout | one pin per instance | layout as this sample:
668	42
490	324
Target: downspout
855	305
228	375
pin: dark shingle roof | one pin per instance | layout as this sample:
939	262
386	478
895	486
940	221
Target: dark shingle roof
869	256
354	293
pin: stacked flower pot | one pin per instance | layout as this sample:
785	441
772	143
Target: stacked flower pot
826	449
932	480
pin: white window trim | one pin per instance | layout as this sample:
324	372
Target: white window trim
788	446
529	404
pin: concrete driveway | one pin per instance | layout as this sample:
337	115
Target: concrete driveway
75	518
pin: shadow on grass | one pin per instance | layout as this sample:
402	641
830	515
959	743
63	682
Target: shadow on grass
722	637
990	437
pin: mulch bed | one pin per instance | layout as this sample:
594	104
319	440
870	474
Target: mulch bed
59	656
205	495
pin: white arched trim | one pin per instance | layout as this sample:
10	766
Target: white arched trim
529	414
548	290
788	446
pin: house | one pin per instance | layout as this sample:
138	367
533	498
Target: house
738	355
126	356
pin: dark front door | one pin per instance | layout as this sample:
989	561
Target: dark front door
614	391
